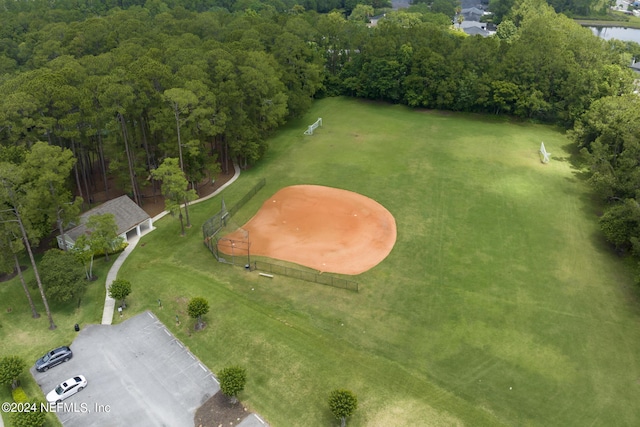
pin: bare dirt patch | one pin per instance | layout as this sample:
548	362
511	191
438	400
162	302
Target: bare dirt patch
328	229
219	411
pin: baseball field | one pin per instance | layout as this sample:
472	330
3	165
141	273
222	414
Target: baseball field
498	303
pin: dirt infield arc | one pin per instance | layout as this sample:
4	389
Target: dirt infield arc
328	229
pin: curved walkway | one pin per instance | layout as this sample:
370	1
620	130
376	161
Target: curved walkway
110	303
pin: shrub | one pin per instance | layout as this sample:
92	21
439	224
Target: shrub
19	396
232	381
10	369
342	403
32	418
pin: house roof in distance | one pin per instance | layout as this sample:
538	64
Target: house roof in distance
127	214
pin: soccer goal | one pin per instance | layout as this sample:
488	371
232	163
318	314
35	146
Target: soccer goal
544	156
313	127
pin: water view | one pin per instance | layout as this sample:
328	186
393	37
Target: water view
619	33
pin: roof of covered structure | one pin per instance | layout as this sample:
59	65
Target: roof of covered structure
127	214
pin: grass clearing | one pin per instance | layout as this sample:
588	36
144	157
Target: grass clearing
30	338
500	304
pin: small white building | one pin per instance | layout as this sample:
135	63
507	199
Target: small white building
131	220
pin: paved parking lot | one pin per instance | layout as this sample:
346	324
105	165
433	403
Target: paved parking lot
138	375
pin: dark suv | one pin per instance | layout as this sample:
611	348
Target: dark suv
53	358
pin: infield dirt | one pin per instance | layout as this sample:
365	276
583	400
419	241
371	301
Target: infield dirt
327	229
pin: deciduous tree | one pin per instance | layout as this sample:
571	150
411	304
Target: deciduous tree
197	308
232	381
11	180
343	404
174	188
47	169
621	225
120	289
62	275
103	235
11	367
83	252
361	13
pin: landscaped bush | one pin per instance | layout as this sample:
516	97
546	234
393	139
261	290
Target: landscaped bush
32	418
123	245
19	396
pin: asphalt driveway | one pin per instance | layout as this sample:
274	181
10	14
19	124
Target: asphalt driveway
138	375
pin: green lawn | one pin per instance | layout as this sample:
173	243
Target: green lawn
500	304
30	338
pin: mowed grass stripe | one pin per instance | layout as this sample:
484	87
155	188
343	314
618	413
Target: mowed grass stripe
500	302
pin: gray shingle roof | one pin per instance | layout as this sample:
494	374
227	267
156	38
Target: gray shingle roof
473	10
474	31
127	214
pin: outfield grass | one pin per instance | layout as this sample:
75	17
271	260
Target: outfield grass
499	305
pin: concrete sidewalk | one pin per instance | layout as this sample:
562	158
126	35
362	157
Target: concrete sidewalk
252	420
110	303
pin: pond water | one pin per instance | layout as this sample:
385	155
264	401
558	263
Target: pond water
620	33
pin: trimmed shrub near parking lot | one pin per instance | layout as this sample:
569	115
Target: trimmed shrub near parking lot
34	417
10	369
197	308
120	289
232	381
19	396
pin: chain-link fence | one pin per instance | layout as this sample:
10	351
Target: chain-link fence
218	225
309	276
237	251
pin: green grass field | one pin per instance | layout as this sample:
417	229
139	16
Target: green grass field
500	304
29	338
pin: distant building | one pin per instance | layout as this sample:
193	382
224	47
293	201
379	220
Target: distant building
472	14
373	21
129	217
477	31
474	28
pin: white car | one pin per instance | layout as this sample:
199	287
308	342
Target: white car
66	389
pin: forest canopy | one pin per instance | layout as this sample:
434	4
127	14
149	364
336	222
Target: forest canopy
124	85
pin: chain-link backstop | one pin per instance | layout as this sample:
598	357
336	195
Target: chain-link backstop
238	251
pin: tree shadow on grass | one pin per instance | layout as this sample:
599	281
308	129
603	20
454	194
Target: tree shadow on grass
8	276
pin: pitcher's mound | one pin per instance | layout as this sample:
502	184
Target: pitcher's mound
328	229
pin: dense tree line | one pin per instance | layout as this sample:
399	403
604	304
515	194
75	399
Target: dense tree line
582	8
609	137
118	89
550	69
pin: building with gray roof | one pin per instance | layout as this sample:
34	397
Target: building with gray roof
129	218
